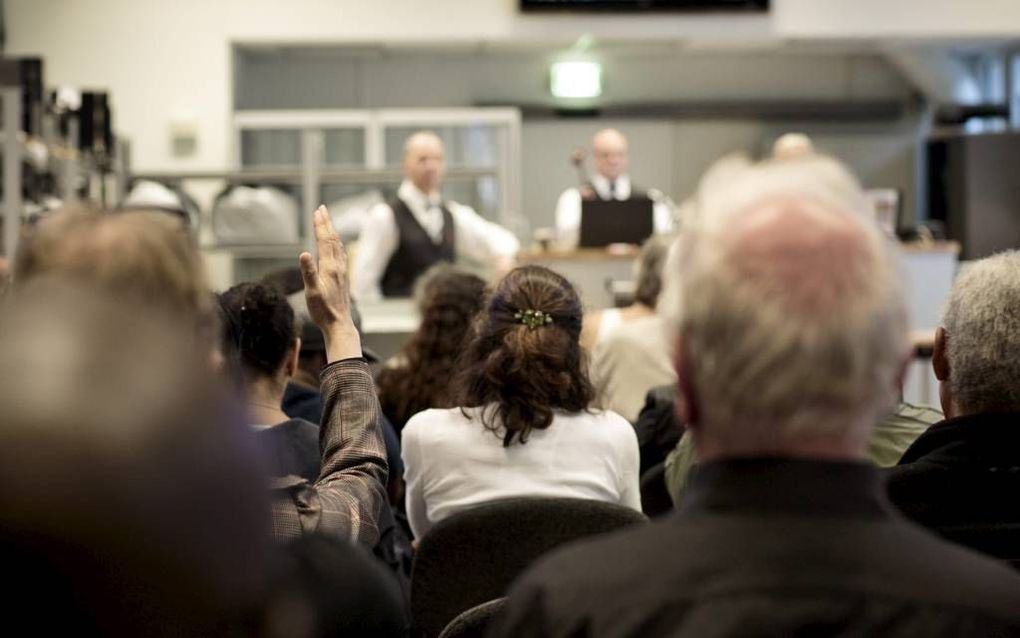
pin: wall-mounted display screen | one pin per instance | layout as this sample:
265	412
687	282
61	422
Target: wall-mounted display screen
644	5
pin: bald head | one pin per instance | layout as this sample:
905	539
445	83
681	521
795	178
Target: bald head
790	315
425	161
609	147
801	253
793	146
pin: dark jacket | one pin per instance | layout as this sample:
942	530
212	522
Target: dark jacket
293	451
658	427
961	478
302	402
291	448
768	547
349	495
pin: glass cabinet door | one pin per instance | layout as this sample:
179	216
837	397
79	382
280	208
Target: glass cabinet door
343	147
270	148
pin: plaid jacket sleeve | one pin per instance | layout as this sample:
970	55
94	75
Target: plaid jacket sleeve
348	497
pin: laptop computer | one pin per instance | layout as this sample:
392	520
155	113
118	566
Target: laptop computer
615	222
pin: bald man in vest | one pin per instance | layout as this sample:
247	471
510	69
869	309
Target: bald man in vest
403	238
611	181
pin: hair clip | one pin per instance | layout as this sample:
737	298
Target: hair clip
533	318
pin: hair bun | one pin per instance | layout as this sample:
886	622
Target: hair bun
259	327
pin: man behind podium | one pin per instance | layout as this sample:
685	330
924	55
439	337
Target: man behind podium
610	182
417	229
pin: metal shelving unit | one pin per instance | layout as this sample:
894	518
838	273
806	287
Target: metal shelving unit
12	204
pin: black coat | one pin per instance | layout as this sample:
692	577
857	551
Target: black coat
961	478
658	427
768	548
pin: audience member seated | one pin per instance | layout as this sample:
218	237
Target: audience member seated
525	425
657	426
962	477
153	258
151	262
792	340
418	377
349	496
132	503
637	354
889	440
648	282
259	340
148	255
301	399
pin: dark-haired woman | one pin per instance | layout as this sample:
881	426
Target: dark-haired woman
260	345
525	425
419	377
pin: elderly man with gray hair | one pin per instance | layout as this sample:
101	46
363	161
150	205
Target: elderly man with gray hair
962	477
791	343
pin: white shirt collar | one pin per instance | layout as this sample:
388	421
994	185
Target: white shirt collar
417	199
601	184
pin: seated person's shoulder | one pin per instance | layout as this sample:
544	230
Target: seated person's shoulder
433	420
608	419
612	428
954	575
304	428
634	333
920	414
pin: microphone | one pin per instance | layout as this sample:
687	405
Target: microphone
577	159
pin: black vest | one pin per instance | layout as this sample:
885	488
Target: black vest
415	250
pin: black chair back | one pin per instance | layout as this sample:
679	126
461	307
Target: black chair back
655	499
472	557
473	622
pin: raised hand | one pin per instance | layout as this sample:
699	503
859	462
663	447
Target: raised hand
327	290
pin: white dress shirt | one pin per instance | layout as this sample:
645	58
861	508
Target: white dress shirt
568	209
476	238
452	463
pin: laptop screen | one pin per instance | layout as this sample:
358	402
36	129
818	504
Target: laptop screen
615	222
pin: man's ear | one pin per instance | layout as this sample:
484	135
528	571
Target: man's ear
939	360
292	359
687	404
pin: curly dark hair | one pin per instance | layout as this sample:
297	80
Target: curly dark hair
258	327
520	374
449	300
